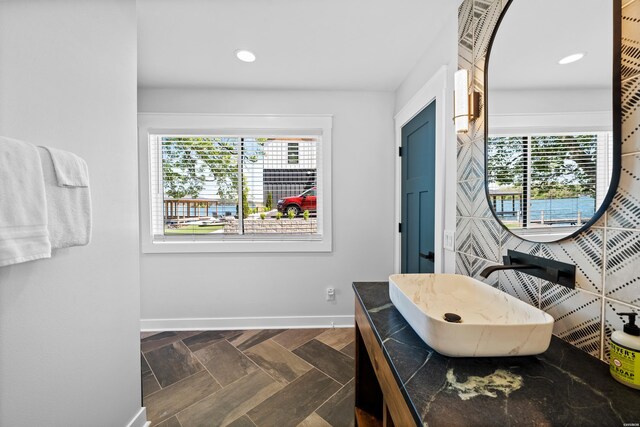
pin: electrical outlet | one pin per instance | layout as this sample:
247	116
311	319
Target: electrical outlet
450	240
331	294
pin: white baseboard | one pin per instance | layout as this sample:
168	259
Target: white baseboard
226	323
140	419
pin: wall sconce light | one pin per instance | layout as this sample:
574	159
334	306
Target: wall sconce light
465	103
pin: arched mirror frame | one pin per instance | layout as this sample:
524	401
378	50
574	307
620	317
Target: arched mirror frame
616	117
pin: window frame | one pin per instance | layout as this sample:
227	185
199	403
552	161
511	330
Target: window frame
226	124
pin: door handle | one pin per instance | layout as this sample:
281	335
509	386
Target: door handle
430	256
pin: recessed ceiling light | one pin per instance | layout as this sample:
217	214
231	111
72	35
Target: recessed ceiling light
245	55
572	58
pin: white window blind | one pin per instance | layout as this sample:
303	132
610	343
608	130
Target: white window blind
212	183
548	178
212	187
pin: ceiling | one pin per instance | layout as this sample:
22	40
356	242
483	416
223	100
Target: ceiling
299	44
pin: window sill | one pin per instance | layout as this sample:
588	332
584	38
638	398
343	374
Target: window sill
236	246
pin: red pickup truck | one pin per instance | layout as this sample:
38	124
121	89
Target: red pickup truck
296	204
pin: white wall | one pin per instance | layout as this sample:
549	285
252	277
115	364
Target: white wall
443	50
199	290
548	101
69	342
513	111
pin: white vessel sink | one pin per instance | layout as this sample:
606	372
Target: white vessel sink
493	323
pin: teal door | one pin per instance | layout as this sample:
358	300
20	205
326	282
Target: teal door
418	188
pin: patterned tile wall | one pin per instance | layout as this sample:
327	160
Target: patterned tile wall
607	256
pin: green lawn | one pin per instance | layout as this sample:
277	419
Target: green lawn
193	229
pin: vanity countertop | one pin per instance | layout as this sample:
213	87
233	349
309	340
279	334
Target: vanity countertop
563	386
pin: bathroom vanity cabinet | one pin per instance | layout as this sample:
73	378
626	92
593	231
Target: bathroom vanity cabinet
400	381
379	401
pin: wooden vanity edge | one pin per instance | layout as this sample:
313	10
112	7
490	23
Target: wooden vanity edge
393	396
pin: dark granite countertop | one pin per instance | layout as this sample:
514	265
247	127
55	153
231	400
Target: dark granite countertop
561	387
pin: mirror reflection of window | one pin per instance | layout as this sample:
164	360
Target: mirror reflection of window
548	180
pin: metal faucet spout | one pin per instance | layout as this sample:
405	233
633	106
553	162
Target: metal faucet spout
546	269
487	271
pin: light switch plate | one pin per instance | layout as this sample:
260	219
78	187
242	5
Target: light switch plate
449	240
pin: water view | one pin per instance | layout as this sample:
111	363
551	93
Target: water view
549	209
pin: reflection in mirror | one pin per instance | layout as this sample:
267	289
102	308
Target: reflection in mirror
549	126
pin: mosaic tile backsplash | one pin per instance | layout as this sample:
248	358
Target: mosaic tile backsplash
607	256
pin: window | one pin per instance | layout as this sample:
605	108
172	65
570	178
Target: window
293	153
214	186
548	179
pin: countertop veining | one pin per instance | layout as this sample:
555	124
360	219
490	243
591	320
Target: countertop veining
563	386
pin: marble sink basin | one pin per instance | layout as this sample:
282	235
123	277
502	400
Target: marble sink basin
493	323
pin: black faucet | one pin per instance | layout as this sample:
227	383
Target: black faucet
487	271
546	269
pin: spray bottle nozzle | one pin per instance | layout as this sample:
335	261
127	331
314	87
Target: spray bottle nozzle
631	328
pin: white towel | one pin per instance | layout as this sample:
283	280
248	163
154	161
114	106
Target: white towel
68	207
23	209
70	170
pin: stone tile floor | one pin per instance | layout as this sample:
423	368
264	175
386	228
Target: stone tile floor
271	377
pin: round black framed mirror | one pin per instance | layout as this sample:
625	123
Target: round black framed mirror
552	116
